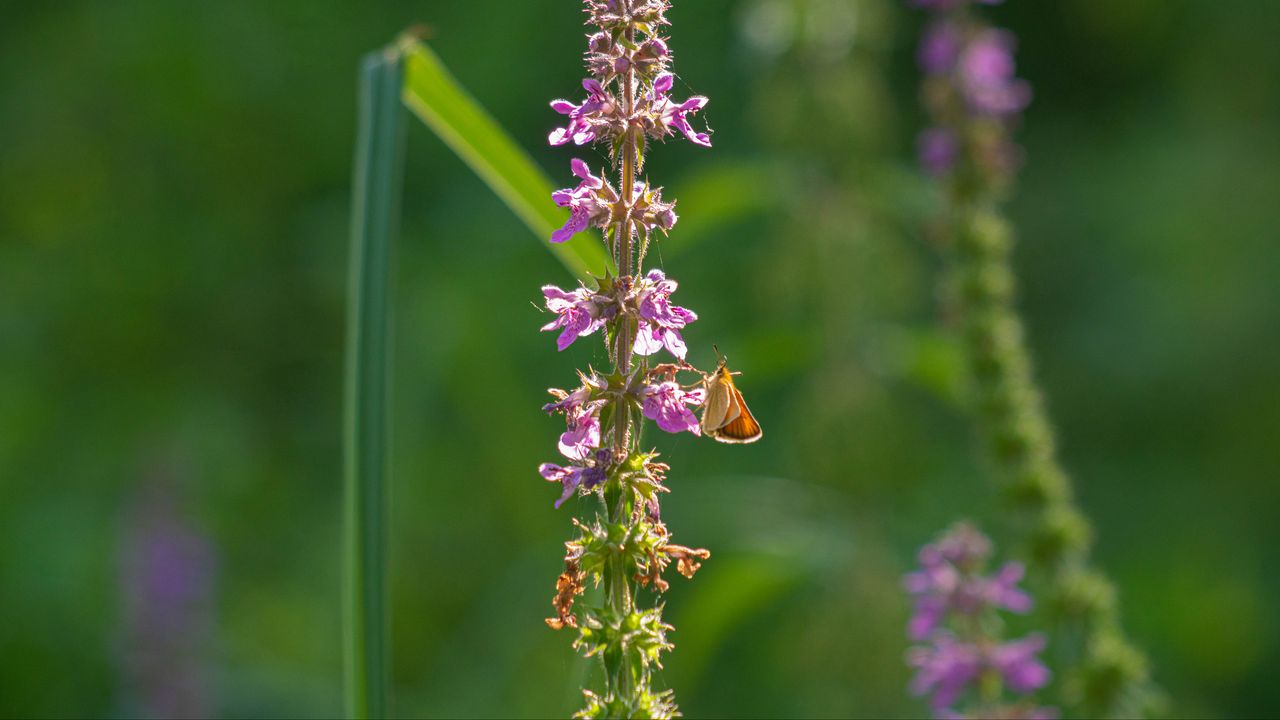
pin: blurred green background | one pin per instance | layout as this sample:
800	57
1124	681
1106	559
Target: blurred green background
174	209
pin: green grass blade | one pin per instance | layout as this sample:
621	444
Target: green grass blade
375	213
433	94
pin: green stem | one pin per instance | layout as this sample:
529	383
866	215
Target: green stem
375	209
618	586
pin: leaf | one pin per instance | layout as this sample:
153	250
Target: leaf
376	209
435	96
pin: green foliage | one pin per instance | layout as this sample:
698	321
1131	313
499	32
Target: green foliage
431	92
376	210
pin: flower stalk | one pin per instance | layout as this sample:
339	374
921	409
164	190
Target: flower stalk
622	545
974	100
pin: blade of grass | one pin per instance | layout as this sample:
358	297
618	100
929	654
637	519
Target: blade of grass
375	212
433	94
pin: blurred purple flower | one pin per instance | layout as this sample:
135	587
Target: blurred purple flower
987	75
667	404
944	669
1022	671
950	584
167	570
939	47
937	149
962	545
1001	591
948	667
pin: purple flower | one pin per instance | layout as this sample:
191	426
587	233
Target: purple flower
663	320
1017	663
671	115
939	48
944	669
577	476
948	667
937	149
588	203
567	402
948	581
963	545
584	119
167	572
583	435
1000	589
649	209
986	75
665	404
570	477
577	314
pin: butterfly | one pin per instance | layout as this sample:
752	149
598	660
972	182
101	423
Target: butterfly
725	416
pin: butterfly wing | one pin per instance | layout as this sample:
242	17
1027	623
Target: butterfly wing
743	428
718	410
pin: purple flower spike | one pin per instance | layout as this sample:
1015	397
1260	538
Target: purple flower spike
577	314
665	404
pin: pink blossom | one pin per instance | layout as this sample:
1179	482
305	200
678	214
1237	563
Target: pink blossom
1016	661
588	203
587	475
662	321
986	75
666	404
570	477
583	436
583	119
674	116
944	669
577	314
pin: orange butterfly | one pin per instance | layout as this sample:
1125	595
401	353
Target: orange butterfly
725	416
